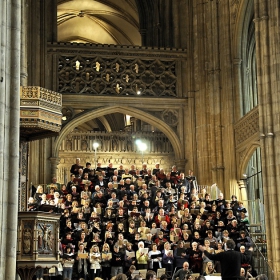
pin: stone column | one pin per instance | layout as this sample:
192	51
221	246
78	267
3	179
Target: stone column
54	163
181	165
10	36
237	63
242	184
268	60
24	33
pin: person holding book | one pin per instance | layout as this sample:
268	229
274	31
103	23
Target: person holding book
82	260
142	256
95	260
160	240
155	258
130	257
162	217
106	257
121	243
181	254
68	262
167	258
244	240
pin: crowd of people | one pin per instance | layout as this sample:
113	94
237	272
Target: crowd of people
125	221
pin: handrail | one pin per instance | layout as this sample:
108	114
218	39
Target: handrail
264	258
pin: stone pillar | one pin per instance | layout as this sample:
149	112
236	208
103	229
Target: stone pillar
181	165
54	163
24	33
268	60
237	62
10	46
242	184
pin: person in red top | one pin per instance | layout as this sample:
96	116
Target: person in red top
161	217
160	240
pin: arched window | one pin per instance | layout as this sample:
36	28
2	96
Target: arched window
248	90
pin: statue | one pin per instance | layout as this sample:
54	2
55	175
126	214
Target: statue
44	240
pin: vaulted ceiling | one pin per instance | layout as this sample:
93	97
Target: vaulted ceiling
98	21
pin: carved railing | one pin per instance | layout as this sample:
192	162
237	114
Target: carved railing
117	70
40	112
247	127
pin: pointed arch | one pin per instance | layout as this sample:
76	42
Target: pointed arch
97	113
249	152
243	18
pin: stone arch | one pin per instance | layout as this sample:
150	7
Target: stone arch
242	18
96	113
247	156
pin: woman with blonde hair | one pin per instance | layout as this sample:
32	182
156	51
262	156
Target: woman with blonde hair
209	269
167	257
106	257
95	260
210	250
38	194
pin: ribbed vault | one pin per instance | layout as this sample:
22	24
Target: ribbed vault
99	21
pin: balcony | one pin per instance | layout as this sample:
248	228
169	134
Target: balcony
40	113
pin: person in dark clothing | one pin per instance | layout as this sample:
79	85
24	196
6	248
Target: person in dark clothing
75	167
230	260
117	261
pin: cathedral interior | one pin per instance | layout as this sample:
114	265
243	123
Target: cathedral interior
196	81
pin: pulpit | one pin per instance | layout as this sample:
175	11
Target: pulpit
38	242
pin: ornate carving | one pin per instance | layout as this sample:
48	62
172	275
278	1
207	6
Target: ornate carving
27	237
170	117
39	108
121	76
116	141
247	126
32	92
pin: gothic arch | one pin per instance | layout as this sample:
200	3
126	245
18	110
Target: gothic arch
243	17
161	125
249	150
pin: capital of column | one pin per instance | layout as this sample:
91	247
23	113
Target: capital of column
241	184
54	160
237	61
54	163
181	164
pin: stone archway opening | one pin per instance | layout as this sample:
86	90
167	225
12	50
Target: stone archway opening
115	146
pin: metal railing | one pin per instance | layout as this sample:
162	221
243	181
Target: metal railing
257	233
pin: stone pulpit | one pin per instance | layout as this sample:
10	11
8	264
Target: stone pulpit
38	242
